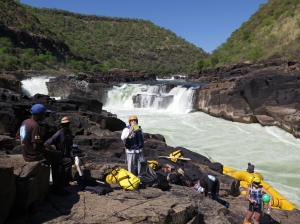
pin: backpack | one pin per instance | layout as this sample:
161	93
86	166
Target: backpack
113	176
174	178
162	182
92	185
126	180
153	164
175	155
147	175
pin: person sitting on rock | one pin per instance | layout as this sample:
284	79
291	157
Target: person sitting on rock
185	180
211	185
63	141
133	138
250	168
33	148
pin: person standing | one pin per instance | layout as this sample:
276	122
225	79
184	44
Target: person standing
211	185
63	141
33	148
254	195
133	138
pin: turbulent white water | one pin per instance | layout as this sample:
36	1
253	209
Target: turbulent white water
274	152
36	85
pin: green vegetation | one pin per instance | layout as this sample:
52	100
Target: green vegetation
272	32
43	39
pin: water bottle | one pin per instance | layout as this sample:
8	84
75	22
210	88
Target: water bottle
268	211
135	126
77	163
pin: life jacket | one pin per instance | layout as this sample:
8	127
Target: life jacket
256	194
136	141
175	155
153	164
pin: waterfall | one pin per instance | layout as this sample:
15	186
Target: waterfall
179	99
35	85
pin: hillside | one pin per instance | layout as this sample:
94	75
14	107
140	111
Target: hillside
52	39
272	32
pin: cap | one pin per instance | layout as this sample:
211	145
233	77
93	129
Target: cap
65	120
39	108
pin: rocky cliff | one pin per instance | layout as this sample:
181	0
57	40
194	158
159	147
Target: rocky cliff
266	93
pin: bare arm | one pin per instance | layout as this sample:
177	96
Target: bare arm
247	195
53	150
39	147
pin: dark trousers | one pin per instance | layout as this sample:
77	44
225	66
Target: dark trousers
215	196
60	176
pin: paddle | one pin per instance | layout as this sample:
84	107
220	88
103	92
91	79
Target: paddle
168	157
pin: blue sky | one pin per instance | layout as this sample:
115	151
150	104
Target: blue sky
204	23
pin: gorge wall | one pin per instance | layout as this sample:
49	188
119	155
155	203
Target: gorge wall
266	93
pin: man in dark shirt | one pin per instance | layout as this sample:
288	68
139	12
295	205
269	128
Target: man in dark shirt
211	185
33	148
62	139
63	142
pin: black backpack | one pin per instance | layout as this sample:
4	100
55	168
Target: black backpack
92	185
151	178
173	178
147	175
162	182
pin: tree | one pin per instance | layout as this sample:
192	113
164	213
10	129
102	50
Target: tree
214	61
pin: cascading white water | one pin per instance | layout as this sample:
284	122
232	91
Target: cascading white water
274	152
35	85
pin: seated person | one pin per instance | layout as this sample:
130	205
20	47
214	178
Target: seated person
250	168
33	148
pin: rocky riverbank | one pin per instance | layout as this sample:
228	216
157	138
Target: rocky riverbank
267	93
25	197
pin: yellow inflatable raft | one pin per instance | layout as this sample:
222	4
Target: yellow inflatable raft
279	201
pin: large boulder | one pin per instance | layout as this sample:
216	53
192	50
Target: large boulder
7	190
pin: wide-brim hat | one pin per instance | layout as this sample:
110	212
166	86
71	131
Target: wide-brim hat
65	120
180	171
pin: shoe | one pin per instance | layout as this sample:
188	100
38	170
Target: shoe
227	205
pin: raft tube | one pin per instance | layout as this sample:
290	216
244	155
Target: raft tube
279	201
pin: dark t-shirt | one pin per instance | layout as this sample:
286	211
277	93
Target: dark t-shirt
212	184
30	133
63	141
